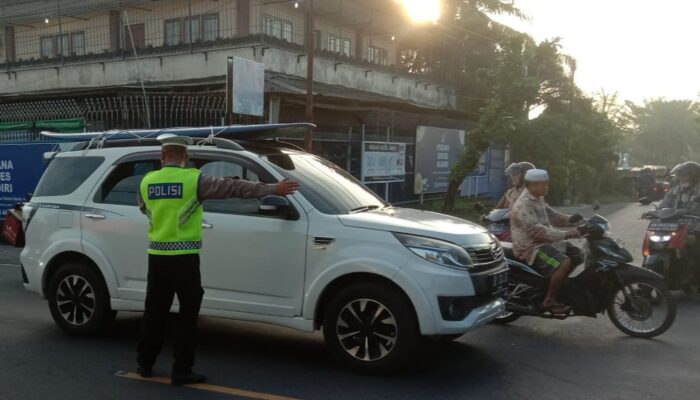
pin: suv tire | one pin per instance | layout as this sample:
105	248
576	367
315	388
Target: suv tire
370	316
79	300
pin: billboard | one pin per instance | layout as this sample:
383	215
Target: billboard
21	166
437	150
247	87
383	162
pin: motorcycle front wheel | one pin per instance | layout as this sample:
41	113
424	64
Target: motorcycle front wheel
643	308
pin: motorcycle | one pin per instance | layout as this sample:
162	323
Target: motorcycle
498	223
636	300
666	248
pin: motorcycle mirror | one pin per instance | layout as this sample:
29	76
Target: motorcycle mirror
596	206
645	201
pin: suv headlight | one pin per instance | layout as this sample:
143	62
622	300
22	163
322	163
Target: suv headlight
436	251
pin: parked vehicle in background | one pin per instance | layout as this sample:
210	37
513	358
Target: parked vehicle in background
332	256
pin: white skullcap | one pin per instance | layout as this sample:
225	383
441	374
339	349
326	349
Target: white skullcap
536	175
169	139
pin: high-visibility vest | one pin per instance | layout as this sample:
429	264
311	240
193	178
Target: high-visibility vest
174	211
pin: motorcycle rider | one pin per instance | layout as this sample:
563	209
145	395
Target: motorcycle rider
684	196
516	172
687	192
538	243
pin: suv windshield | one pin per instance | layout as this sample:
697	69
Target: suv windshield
328	187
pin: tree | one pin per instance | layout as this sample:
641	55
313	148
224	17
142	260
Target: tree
526	75
591	163
664	132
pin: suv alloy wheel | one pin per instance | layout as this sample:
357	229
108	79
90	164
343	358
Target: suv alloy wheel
79	300
370	328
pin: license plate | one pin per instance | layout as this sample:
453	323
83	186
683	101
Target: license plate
499	281
663	226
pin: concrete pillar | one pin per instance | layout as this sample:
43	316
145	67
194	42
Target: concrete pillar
360	46
115	30
10	49
274	111
243	17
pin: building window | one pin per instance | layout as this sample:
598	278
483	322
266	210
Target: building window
173	32
210	27
77	43
377	55
47	46
278	28
339	45
69	44
191	29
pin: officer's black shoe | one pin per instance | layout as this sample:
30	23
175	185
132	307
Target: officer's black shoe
145	372
186	377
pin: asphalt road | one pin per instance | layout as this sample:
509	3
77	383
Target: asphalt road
530	359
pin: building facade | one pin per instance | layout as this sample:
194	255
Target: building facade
160	63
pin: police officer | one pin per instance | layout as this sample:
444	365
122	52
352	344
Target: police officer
172	199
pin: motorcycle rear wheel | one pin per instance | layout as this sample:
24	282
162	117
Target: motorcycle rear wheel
645	297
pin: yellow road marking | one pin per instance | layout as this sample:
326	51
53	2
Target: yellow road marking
210	388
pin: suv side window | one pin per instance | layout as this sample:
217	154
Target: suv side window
65	174
229	169
122	184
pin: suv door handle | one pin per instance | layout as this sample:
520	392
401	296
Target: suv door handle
207	225
95	216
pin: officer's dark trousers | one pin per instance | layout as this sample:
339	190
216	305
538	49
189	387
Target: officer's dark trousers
167	276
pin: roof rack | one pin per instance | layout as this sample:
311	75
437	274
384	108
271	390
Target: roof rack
221	143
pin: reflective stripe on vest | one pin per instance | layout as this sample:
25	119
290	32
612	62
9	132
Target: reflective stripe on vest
173	210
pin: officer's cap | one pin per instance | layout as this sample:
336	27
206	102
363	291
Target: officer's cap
536	175
169	139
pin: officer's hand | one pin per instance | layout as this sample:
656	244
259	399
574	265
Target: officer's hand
285	187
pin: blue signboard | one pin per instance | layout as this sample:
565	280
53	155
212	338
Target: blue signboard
21	167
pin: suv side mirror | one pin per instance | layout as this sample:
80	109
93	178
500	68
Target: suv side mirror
277	206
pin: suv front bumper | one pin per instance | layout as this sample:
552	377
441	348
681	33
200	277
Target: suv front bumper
472	297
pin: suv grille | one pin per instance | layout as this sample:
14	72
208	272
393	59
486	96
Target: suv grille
485	256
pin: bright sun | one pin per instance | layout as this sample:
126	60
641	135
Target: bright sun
423	10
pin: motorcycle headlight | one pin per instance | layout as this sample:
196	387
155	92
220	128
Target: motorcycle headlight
436	251
659	238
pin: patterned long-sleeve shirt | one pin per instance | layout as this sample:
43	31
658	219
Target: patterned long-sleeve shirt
532	223
211	187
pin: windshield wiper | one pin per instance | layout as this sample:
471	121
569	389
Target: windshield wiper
364	208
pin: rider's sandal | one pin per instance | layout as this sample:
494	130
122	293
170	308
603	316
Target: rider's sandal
557	308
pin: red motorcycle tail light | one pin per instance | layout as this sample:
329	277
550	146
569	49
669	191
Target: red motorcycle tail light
678	238
645	248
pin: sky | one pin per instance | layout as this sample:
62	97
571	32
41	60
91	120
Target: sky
641	49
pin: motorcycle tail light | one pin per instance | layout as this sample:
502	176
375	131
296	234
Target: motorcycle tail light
645	248
678	238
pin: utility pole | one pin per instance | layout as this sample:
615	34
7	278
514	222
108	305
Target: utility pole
60	30
310	51
572	72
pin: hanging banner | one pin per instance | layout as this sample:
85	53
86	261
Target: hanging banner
383	162
437	150
247	87
21	167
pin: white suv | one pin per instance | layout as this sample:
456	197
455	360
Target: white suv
333	255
